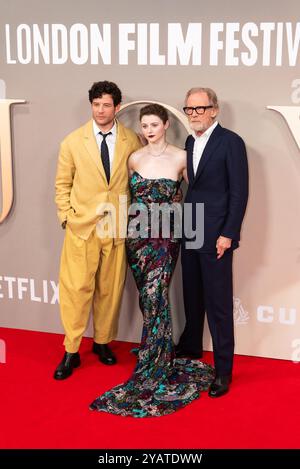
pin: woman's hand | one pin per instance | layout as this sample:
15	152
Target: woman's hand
178	196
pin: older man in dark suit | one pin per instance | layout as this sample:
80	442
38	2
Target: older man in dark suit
218	178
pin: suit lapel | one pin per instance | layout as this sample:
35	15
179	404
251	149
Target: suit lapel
120	148
189	146
92	148
208	150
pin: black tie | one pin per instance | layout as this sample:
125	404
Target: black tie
105	155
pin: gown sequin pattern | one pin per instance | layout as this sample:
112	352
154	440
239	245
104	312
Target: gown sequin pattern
160	383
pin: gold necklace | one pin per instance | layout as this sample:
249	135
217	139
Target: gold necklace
163	150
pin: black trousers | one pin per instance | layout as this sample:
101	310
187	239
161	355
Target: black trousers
207	287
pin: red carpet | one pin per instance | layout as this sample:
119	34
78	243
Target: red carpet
261	410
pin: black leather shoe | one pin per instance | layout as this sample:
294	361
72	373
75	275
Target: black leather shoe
65	368
220	386
106	356
182	353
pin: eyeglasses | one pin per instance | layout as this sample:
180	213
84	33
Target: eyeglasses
199	110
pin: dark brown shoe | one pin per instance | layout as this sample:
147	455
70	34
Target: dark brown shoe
104	353
65	368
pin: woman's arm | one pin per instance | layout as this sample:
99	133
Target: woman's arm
183	161
130	165
185	175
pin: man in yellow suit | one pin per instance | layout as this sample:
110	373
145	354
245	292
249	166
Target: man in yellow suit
92	174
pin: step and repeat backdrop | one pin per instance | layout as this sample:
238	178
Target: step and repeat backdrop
248	52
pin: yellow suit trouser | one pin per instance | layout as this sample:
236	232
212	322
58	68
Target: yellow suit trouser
91	271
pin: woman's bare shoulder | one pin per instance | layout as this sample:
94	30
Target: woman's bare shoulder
136	155
177	151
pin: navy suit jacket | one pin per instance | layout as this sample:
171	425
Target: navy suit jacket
221	184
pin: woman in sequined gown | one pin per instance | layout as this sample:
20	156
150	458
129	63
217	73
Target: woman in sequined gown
160	383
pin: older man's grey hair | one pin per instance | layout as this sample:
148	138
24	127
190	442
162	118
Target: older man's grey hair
210	93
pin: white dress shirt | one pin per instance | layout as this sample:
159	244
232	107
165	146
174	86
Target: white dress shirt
200	144
110	140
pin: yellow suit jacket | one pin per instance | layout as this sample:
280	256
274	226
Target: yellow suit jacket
81	185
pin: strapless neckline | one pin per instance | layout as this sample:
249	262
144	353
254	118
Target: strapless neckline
156	179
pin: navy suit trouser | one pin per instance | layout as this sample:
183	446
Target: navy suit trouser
207	287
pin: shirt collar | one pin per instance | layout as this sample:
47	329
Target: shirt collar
113	130
207	133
